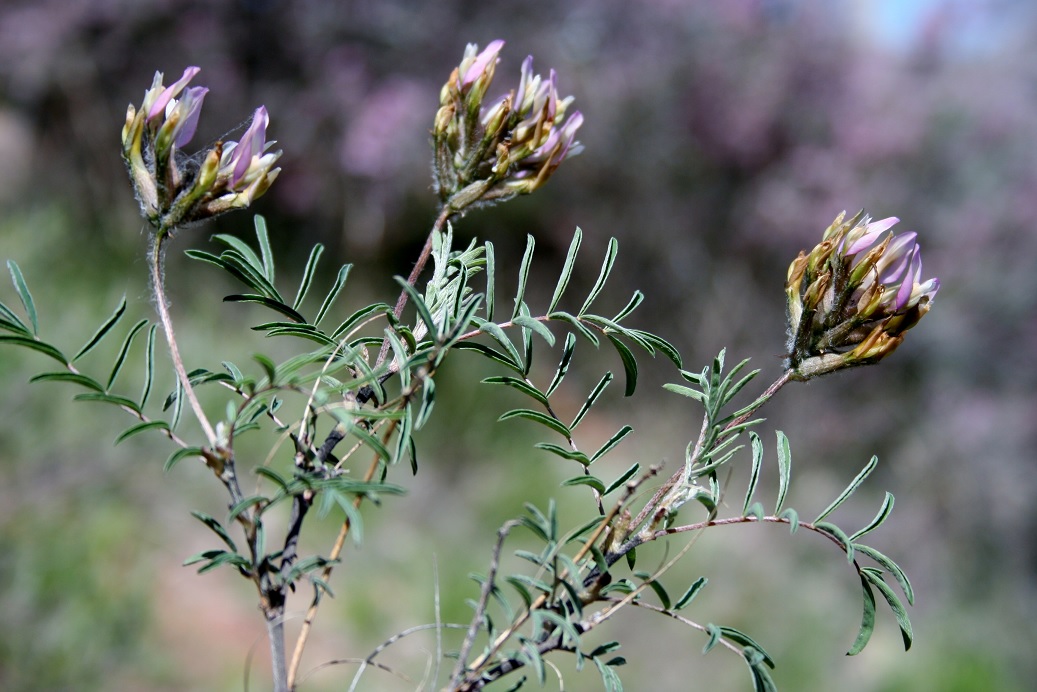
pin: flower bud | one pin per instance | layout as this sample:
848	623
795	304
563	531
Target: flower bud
171	189
847	308
509	146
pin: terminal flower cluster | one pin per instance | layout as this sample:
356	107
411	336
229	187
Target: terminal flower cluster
175	189
854	296
491	150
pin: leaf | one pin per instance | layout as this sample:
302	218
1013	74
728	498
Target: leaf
177	399
714	637
867	620
563	452
11	321
244	504
102	330
268	366
542	418
689	595
606	269
500	336
141	427
218	558
660	344
660	592
272	475
245	253
23	294
627	475
521	385
491	353
754	474
575	322
216	527
527	260
307	275
274	305
884	511
239	269
612	442
532	656
419	305
629	364
784	469
149	366
635	301
793	518
490	279
428	400
303	331
685	391
854	484
120	360
336	288
586	480
609	679
179	454
264	247
29	342
875	577
567	269
839	535
892	567
563	366
360	316
537	326
120	401
744	639
72	377
599	388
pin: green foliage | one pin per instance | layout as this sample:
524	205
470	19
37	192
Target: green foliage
346	406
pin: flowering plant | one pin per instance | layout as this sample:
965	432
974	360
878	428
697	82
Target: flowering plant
342	416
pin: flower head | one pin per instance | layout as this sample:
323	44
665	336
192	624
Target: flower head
491	150
173	189
852	298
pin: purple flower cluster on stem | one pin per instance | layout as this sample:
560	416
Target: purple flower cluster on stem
487	151
854	296
172	188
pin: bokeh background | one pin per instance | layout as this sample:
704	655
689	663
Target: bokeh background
721	138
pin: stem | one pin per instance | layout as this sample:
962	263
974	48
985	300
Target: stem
444	214
275	632
336	550
162	305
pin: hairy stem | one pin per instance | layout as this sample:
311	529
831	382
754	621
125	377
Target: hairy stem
162	305
445	213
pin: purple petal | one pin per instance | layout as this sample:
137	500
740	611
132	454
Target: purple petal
909	281
527	76
171	91
481	62
192	103
883	224
251	143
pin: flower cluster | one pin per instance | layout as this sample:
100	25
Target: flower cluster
174	189
493	150
852	298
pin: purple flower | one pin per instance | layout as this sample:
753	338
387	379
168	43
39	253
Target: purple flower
491	150
160	99
479	64
852	298
172	190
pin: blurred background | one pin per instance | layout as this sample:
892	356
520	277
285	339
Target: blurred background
721	139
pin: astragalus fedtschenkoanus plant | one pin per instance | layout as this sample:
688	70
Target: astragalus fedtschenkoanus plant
347	411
